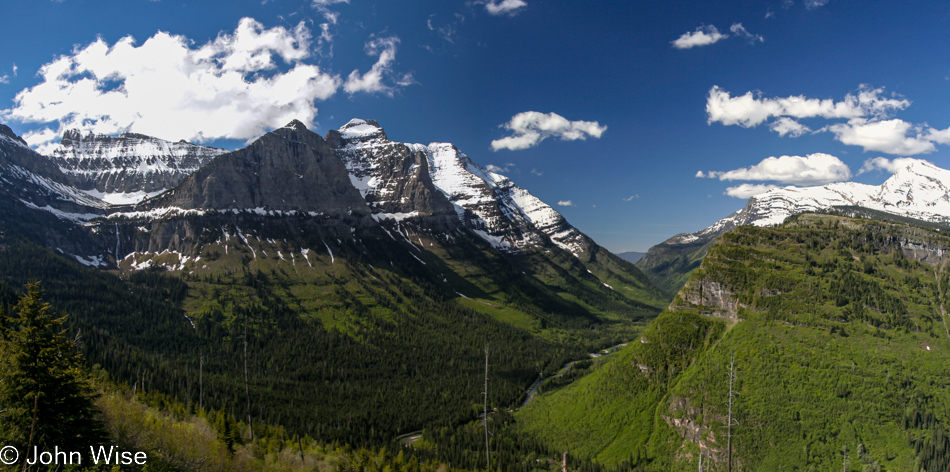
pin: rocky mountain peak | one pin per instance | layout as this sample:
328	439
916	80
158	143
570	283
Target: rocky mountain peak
357	132
290	169
296	125
7	134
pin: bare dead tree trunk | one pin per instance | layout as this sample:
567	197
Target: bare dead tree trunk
487	447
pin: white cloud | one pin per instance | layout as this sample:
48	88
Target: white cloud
812	4
565	203
373	80
4	79
813	169
889	165
447	31
786	126
505	7
331	18
748	190
940	136
740	31
703	36
231	87
631	197
531	127
867	112
15	69
888	136
537	172
499	169
749	110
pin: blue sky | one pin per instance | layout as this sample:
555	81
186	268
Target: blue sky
654	112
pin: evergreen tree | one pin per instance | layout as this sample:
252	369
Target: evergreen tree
45	397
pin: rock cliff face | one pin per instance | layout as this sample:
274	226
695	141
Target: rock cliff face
398	180
37	203
290	170
393	179
127	168
715	298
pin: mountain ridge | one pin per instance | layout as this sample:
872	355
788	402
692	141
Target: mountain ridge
917	190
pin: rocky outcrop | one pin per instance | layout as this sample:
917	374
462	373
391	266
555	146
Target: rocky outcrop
713	298
682	419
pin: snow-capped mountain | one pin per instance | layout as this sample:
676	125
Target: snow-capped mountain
396	179
36	182
291	187
918	190
127	168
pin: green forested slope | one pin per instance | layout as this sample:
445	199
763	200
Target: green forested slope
360	341
840	340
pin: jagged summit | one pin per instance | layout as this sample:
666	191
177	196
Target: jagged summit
290	169
400	180
7	134
358	131
295	125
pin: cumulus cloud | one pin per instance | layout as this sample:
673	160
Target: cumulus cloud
374	80
867	113
565	203
740	32
505	7
749	110
786	126
745	191
890	136
813	169
889	165
703	36
230	87
531	127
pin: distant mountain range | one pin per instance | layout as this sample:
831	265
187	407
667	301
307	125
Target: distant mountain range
918	191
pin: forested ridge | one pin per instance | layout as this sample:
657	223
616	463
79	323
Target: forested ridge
839	335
